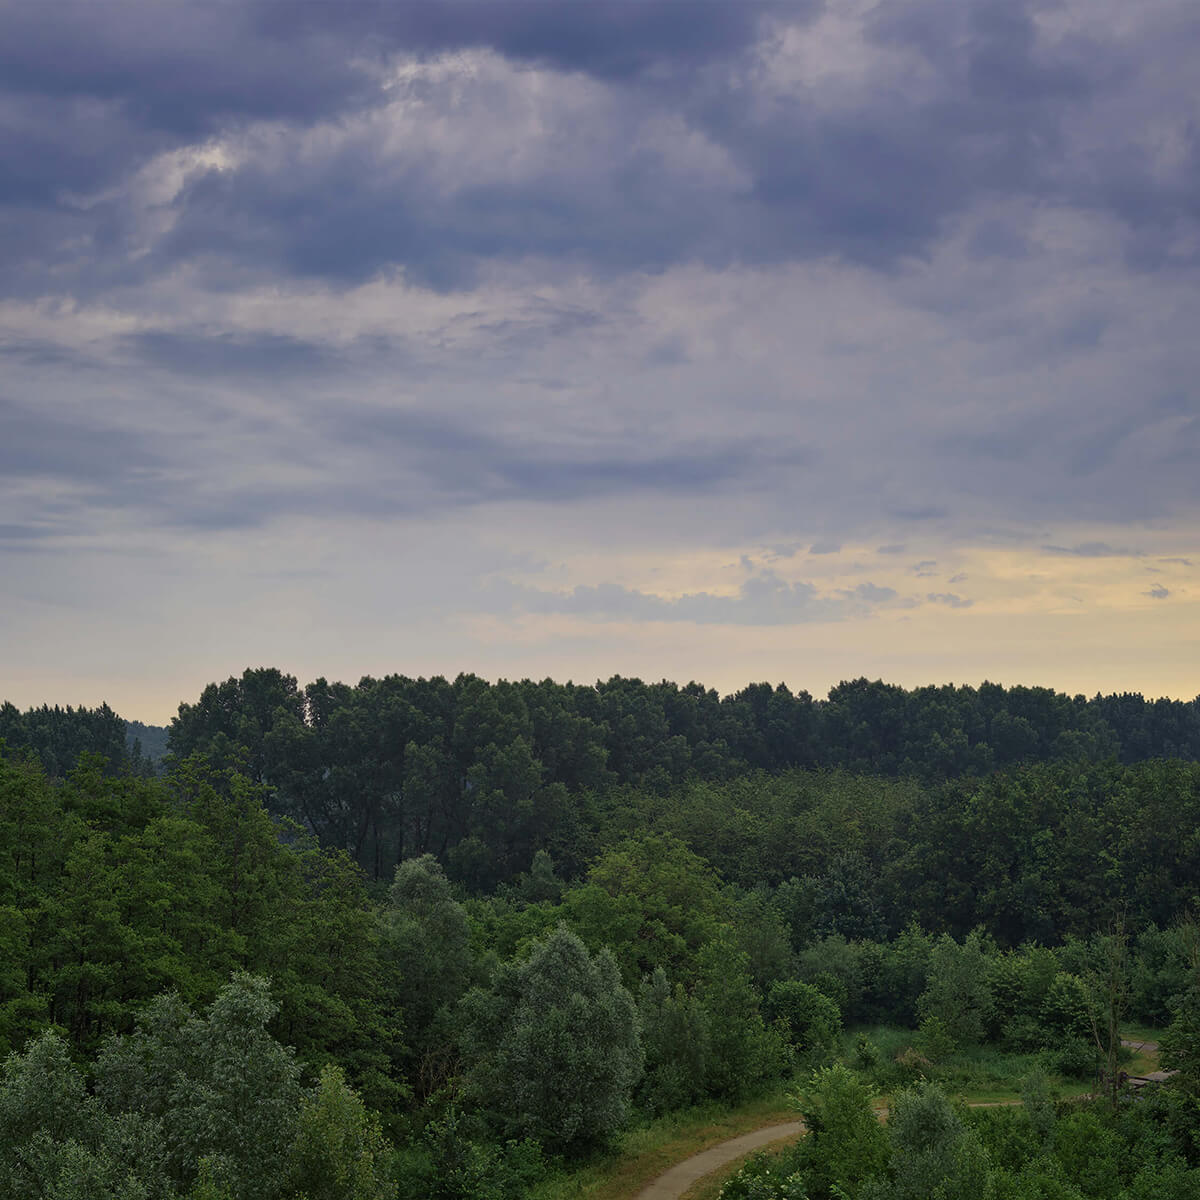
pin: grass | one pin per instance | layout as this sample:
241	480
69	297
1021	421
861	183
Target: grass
1141	1062
646	1152
985	1074
1141	1033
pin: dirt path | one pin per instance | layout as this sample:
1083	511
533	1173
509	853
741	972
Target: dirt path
676	1181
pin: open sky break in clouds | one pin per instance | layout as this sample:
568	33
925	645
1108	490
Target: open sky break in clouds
687	338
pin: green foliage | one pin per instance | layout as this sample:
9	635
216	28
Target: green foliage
675	1040
57	1141
427	949
936	1040
339	1152
958	992
448	1164
1092	1154
774	871
1179	1047
763	1179
743	1052
552	1047
1076	1058
935	1156
812	1020
846	1145
837	968
220	1086
654	902
1039	1106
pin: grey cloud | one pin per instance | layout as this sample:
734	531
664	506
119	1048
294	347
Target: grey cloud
174	66
961	577
766	599
380	464
920	512
1093	550
230	354
1183	562
1157	592
32	445
924	567
484	466
825	548
891	548
949	599
613	39
869	593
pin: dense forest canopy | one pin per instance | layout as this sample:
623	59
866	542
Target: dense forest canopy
438	936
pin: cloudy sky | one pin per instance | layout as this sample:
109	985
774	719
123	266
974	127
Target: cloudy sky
727	340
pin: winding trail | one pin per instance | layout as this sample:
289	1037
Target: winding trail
673	1183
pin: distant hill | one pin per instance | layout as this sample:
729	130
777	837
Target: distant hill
151	740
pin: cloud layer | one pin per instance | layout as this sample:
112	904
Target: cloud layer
631	289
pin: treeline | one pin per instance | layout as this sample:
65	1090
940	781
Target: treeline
476	773
60	736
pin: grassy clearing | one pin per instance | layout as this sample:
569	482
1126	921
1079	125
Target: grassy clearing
646	1152
976	1074
1141	1062
1141	1033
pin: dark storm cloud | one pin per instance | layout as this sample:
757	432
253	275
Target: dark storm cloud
348	217
873	174
180	68
613	39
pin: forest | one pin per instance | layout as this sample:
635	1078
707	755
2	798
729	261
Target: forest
428	938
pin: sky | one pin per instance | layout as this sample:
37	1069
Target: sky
730	340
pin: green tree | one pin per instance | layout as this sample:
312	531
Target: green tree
654	902
813	1021
934	1155
675	1036
427	940
57	1141
223	1089
339	1152
1179	1047
553	1046
846	1146
958	991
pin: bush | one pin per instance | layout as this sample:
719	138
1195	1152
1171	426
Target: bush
1075	1058
846	1145
865	1056
935	1039
812	1020
762	1178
